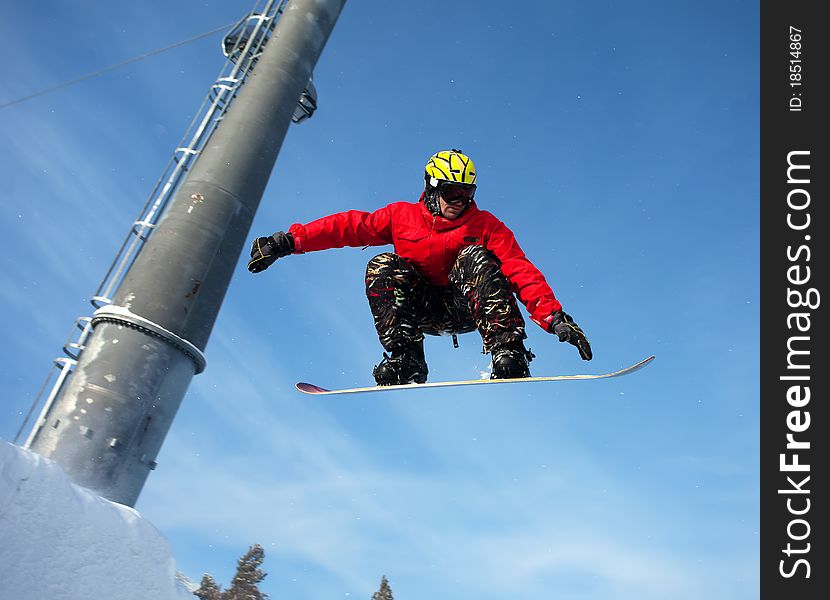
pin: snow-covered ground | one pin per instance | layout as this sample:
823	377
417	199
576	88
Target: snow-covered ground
59	541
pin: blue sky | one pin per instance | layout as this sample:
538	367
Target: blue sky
618	140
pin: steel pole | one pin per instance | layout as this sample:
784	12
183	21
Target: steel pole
108	423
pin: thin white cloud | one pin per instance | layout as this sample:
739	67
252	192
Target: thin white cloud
330	511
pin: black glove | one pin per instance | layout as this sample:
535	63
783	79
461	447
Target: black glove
266	250
567	331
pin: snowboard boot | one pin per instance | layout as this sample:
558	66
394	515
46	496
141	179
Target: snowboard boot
510	361
406	365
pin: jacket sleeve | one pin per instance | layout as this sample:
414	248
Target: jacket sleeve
526	280
350	228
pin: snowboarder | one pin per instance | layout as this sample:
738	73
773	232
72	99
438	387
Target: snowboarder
454	269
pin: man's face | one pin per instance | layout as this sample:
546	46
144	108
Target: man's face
453	199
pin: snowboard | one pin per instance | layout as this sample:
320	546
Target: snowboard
310	388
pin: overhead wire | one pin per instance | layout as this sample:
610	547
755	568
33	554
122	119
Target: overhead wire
123	63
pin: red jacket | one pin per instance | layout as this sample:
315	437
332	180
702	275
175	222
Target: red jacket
431	244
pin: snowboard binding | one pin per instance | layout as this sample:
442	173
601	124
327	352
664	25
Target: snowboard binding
511	361
405	365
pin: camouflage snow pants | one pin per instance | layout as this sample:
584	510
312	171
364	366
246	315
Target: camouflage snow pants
405	306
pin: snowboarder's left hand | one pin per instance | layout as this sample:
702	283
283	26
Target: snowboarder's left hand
266	250
567	331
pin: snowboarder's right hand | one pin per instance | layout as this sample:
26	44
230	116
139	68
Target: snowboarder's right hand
266	250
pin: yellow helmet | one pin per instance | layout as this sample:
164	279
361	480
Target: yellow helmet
450	166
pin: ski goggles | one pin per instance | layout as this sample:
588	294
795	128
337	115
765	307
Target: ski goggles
453	193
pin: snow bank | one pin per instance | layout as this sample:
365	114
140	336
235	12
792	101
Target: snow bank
59	541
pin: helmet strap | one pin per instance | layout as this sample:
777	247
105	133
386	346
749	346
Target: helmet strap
431	200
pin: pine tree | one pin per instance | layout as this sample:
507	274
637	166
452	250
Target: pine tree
208	589
248	575
385	592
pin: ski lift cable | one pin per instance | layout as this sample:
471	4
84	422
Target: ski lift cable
116	66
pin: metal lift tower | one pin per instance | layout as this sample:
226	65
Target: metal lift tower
105	423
